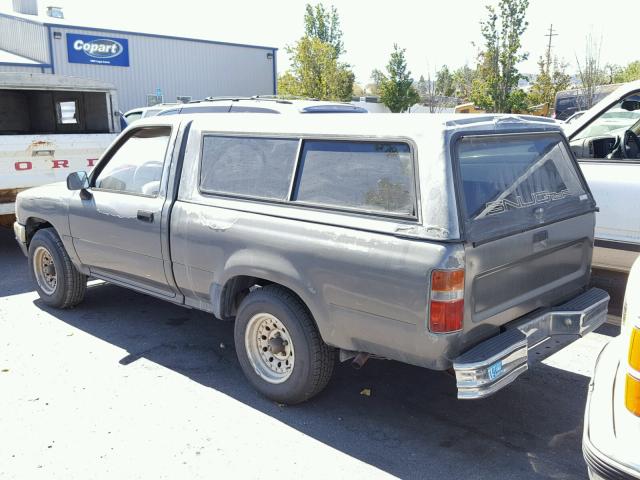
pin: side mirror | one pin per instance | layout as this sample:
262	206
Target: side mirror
78	181
630	105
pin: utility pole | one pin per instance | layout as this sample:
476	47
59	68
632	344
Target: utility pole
551	34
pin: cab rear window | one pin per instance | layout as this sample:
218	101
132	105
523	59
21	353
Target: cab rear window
514	182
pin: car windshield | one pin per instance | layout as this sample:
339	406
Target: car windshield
624	115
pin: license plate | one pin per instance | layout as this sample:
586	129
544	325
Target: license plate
495	370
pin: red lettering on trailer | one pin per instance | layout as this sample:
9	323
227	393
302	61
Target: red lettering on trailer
60	163
91	162
23	165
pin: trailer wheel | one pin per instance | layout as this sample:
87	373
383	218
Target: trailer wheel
58	282
279	347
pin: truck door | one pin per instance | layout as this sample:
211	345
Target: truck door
116	223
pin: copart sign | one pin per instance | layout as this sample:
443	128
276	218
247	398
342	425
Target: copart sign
98	50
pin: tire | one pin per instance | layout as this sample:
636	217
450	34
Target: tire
69	286
296	338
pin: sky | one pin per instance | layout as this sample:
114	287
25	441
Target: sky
433	32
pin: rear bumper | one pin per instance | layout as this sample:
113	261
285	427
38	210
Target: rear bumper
498	361
21	237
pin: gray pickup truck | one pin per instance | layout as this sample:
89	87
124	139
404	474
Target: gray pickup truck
457	243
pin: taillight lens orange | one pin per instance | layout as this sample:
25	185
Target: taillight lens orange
447	301
632	385
634	350
632	394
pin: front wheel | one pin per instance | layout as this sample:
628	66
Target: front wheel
279	347
58	282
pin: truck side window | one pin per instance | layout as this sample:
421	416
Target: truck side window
372	176
136	166
250	167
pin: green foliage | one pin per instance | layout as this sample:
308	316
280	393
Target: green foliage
324	25
497	74
463	82
627	74
444	82
396	86
552	78
315	72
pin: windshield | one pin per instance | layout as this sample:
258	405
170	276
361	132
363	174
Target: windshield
622	116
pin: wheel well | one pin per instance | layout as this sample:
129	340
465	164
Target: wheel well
33	225
239	287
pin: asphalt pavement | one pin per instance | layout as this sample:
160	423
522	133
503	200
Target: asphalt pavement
128	386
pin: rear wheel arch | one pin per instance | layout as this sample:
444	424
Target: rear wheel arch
227	297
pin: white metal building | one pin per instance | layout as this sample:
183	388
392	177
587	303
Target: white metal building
140	65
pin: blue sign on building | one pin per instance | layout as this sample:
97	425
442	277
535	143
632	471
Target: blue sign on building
97	50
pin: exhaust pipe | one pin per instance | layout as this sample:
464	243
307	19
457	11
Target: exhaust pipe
359	360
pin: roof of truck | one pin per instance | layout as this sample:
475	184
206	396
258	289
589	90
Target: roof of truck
373	124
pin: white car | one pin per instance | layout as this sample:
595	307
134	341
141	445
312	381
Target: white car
145	112
612	419
261	104
606	142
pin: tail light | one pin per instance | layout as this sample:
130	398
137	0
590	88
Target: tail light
632	394
632	386
447	301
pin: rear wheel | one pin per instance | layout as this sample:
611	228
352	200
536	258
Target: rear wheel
279	347
57	280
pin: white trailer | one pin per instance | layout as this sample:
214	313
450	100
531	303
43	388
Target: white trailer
50	125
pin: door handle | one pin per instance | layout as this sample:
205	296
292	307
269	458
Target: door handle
145	216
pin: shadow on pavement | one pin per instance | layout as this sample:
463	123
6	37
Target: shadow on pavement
411	425
15	264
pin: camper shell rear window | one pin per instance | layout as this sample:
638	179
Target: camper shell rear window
512	183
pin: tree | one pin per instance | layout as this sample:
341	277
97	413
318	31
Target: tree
433	99
324	25
422	88
358	90
590	73
495	86
552	78
316	73
628	74
444	82
463	82
396	86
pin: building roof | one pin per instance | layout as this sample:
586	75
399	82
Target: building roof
48	81
63	23
17	60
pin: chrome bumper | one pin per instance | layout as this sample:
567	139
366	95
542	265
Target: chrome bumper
21	237
498	361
